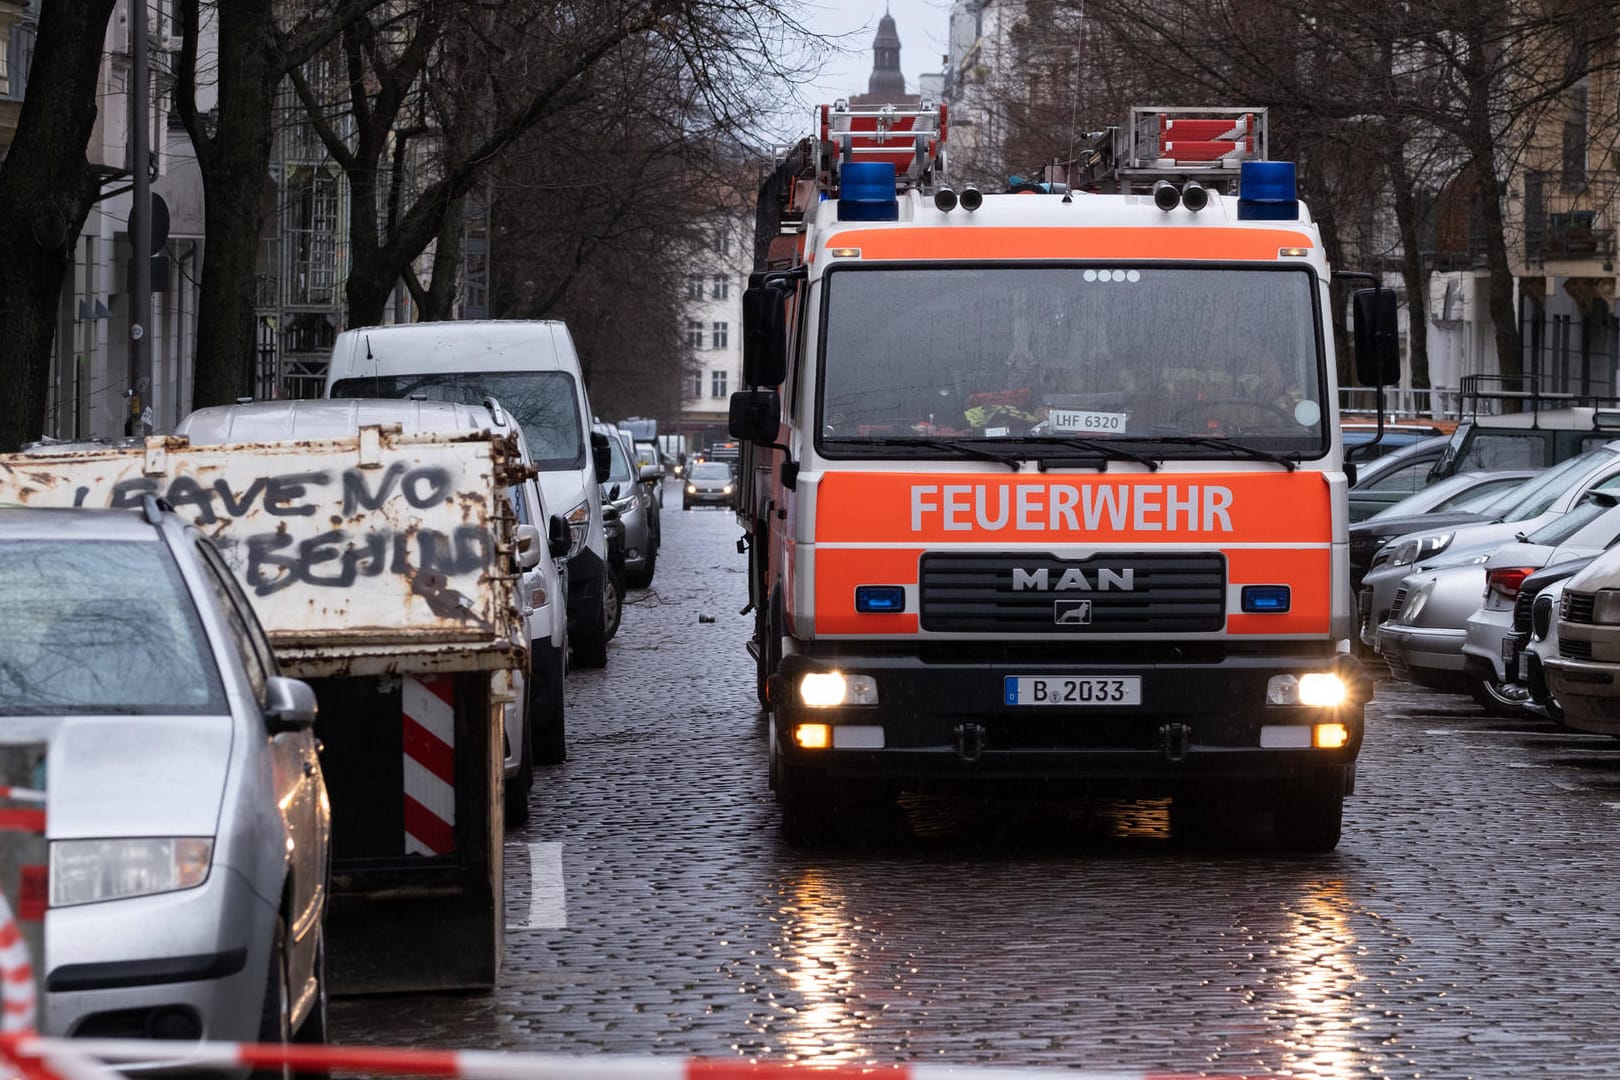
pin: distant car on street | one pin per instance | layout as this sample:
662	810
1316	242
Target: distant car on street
189	825
709	483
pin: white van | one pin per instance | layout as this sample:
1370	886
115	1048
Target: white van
535	728
531	368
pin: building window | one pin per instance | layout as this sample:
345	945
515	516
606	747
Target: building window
717	383
720	287
694	287
1573	175
722	241
694	333
720	329
697	385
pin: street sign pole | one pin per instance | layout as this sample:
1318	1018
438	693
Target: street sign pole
140	228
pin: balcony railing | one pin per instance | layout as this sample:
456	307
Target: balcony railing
1570	235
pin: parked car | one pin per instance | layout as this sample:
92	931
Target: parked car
1542	644
1543	498
709	483
1585	675
1522	685
1393	476
1456	500
626	492
189	824
541	573
1358	437
1423	639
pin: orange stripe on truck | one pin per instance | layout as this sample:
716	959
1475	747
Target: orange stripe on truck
1308	575
967	242
839	570
1147	508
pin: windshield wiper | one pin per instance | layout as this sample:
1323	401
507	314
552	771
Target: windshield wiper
1253	453
964	449
1102	448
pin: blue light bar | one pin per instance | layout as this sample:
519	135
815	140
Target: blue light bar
880	599
1266	599
866	192
1266	192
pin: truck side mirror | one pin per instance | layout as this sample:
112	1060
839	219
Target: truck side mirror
764	340
1378	360
559	538
601	456
756	416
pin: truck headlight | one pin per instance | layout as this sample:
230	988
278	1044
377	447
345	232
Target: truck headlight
1606	606
86	871
828	689
579	523
1317	689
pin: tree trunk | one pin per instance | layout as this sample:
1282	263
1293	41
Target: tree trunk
235	164
1412	272
46	191
438	301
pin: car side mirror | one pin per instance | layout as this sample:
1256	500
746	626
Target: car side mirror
289	704
613	493
559	539
528	546
1377	333
652	472
601	456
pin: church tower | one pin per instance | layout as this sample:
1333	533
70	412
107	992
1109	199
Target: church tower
887	86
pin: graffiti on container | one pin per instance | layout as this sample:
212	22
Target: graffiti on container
272	560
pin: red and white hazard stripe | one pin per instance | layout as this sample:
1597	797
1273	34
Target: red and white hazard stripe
17	994
429	718
495	1065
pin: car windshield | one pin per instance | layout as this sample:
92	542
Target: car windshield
546	404
1540	492
100	627
1482	496
916	358
711	470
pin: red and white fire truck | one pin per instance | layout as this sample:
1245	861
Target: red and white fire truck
1045	488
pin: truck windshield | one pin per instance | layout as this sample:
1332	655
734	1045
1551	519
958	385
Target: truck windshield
544	402
1147	355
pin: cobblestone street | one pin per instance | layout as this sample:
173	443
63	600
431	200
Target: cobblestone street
1465	927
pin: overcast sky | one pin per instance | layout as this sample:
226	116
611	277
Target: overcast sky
921	24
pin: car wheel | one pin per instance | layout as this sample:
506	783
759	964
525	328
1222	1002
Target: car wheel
517	788
643	577
275	1013
546	722
1497	699
1308	821
590	648
612	603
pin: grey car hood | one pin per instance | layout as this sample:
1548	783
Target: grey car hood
131	775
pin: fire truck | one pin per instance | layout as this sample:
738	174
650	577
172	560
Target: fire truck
1044	489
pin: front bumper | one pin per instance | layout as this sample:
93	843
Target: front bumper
174	963
1414	651
944	724
1588	691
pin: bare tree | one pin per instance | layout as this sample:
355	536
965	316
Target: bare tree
47	188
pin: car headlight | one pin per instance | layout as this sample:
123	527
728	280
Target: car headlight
1416	603
85	871
625	504
1419	548
1606	606
579	523
726	490
691	489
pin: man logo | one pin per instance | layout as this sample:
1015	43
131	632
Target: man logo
1071	612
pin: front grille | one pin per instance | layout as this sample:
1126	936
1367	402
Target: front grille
1574	649
1395	608
1577	607
1521	612
1169	591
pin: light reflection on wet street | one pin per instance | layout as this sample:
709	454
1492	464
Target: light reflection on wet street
1465	926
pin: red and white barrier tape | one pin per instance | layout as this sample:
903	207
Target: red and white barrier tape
68	1058
18	1006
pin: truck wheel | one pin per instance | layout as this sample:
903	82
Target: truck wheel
517	788
1308	821
546	722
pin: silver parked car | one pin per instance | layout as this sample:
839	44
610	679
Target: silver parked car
1544	497
1424	636
189	826
629	490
